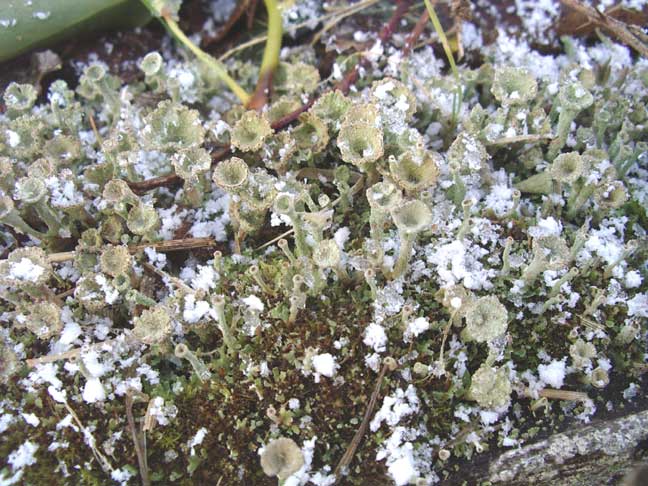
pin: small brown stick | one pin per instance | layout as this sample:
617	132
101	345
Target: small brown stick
90	441
163	275
357	438
617	28
161	246
139	440
286	120
386	32
559	394
141	187
93	125
534	137
412	39
234	17
72	353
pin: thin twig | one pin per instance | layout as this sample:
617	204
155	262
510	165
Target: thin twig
412	39
90	441
234	17
357	438
534	137
617	28
165	276
385	33
339	16
138	441
160	246
76	352
552	394
141	187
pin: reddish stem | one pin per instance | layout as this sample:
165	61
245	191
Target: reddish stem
385	33
345	85
416	33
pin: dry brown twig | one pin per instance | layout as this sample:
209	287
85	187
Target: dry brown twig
615	27
357	438
161	246
138	436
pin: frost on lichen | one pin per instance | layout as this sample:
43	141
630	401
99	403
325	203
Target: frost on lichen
388	233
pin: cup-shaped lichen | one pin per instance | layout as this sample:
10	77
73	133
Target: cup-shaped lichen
152	326
360	144
486	319
567	168
383	197
172	127
410	218
582	353
143	220
11	217
282	458
490	387
311	133
44	320
115	260
25	267
19	98
250	132
231	174
393	96
414	172
327	254
514	86
549	253
331	108
572	99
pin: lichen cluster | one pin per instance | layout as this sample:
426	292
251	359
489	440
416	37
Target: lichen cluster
488	265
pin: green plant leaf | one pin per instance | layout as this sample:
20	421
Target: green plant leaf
43	22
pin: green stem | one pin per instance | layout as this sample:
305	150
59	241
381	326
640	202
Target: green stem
404	254
273	44
456	104
175	30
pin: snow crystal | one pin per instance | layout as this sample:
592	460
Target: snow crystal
638	305
111	293
205	279
402	470
155	258
633	279
25	270
416	327
194	311
396	406
341	236
325	365
254	303
13	139
552	374
197	439
121	475
546	227
93	391
23	456
31	419
375	337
